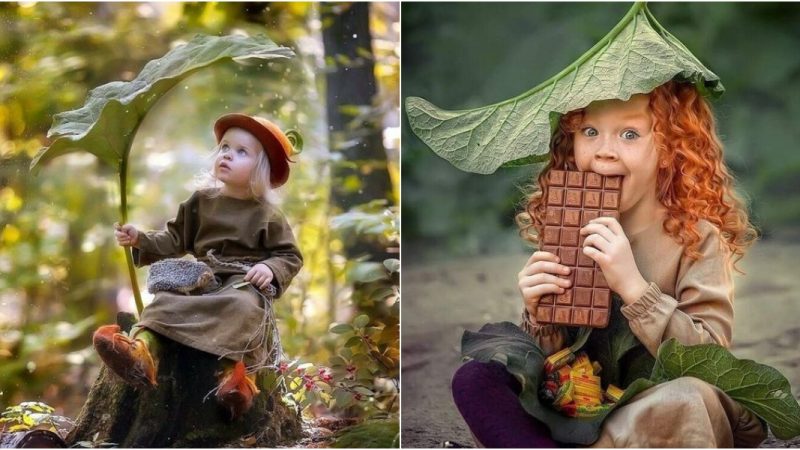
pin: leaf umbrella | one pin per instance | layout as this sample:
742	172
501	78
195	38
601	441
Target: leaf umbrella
106	124
635	57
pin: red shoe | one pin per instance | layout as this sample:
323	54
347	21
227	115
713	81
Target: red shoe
236	391
129	358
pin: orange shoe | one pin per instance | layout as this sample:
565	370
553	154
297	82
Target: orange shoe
129	358
236	391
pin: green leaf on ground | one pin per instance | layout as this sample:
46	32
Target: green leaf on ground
636	56
757	387
507	344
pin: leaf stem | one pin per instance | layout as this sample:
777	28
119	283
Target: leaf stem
635	9
123	208
637	6
663	31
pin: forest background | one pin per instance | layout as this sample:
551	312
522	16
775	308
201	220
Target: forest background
462	251
61	272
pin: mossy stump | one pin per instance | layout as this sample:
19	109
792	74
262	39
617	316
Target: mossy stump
178	412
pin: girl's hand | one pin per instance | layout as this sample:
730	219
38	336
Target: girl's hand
607	245
127	235
259	276
538	278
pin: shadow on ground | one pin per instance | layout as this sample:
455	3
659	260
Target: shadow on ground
441	300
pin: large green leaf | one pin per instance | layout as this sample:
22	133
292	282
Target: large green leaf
106	124
759	388
637	56
507	344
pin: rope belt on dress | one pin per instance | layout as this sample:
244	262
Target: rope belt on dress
269	323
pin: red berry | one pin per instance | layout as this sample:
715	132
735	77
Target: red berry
357	396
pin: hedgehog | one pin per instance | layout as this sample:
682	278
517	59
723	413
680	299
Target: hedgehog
181	276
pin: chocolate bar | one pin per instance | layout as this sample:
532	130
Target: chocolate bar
573	199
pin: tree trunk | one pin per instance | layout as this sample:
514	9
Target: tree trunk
351	86
355	131
177	413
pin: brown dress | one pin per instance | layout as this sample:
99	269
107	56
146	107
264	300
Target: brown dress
228	322
692	301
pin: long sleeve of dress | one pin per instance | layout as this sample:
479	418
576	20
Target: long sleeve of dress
702	309
550	338
171	242
284	258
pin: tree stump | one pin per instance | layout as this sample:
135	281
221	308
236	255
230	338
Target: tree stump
178	412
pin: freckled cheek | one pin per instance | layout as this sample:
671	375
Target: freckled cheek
583	157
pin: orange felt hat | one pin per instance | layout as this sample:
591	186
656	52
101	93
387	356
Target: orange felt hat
275	143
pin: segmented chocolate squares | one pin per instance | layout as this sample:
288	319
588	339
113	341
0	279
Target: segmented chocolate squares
573	199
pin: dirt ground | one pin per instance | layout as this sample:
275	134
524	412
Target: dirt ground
441	300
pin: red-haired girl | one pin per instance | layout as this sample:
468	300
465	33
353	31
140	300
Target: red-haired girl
670	259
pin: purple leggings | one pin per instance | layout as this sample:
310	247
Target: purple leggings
487	396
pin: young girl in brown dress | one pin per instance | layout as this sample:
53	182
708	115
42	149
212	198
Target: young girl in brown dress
251	250
670	259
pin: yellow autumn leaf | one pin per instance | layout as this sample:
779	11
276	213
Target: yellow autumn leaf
10	234
9	200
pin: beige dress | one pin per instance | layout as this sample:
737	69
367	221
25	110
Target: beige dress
691	301
231	321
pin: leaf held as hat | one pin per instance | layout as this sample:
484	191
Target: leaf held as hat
635	57
106	124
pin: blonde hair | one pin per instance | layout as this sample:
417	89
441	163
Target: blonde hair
260	185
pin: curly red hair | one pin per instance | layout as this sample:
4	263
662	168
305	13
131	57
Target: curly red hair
694	185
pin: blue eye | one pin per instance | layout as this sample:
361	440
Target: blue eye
242	151
629	134
224	148
589	131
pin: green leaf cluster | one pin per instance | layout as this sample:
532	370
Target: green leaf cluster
367	363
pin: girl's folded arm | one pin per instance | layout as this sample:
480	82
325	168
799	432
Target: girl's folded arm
702	313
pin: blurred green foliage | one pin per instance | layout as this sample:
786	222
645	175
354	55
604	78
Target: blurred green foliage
61	273
464	55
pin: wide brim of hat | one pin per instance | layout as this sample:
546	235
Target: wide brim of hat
275	143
